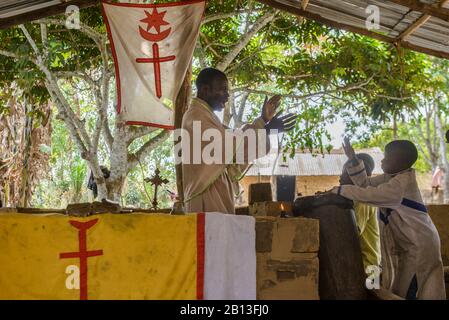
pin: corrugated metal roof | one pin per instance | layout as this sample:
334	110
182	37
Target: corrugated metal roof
10	8
426	21
429	19
307	164
14	12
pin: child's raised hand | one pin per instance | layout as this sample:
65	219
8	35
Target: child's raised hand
270	107
347	147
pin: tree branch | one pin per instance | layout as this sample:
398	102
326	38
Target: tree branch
70	126
204	37
103	102
135	132
219	16
75	74
201	54
97	37
100	120
248	14
238	64
16	56
145	150
356	86
54	86
240	113
44	39
259	24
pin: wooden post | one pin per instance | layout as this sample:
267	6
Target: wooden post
181	105
304	4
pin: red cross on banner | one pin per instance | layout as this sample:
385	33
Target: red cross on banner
152	46
82	254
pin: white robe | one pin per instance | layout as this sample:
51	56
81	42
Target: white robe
212	187
410	243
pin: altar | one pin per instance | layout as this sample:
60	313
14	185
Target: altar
157	256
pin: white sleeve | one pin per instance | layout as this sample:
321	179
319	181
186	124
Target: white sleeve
358	175
387	194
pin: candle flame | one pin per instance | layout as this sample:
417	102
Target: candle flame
282	207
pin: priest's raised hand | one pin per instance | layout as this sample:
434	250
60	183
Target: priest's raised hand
270	107
281	123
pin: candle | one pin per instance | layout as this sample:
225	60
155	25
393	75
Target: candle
283	213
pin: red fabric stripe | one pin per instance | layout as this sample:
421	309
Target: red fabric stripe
157	70
154	5
150	124
151	60
82	254
200	244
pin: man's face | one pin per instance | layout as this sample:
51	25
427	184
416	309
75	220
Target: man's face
217	93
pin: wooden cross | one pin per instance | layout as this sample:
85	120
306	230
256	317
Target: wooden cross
156	181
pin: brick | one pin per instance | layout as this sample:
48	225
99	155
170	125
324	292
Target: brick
264	235
440	217
79	209
285	275
242	211
300	266
270	208
283	235
296	279
307	236
8	210
292	236
259	192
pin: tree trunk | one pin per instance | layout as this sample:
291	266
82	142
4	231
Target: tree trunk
227	112
395	128
26	141
119	163
181	105
444	160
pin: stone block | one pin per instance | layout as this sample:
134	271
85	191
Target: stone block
307	236
8	210
259	192
264	235
242	211
294	235
287	258
440	217
270	208
296	279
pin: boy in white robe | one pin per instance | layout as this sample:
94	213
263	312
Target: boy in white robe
411	256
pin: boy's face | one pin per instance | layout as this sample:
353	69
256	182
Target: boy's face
391	163
344	178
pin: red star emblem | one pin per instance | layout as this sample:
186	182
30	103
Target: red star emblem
155	19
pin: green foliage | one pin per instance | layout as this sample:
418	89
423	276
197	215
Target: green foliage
323	74
66	182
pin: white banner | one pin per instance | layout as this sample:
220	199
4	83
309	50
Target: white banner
152	46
